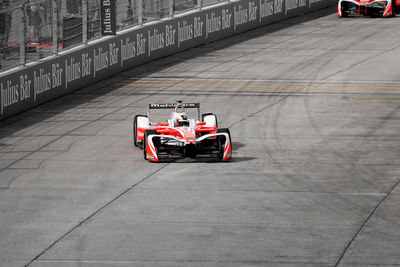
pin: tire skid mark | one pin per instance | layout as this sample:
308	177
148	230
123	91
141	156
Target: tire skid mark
323	137
265	145
276	125
81	248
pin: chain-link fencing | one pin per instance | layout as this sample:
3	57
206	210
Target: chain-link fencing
34	29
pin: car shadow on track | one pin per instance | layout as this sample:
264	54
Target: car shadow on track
237	145
242	159
234	159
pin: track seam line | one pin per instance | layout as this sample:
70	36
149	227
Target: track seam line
94	214
364	223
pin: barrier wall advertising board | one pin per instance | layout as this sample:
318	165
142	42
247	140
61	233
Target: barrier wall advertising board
108	23
60	75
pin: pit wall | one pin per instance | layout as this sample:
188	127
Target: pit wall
56	76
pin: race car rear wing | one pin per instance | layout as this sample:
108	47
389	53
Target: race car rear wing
172	106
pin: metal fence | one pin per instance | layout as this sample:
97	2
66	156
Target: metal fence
34	29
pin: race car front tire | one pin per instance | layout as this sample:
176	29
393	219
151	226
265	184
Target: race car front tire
135	127
345	9
394	7
210	119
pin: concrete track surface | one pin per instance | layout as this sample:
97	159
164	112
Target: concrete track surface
313	105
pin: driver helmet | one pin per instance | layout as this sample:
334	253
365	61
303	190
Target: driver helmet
180	119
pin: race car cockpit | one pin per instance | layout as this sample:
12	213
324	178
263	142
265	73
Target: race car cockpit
182	123
180	120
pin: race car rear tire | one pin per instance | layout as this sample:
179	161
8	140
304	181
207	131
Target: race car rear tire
146	135
135	122
209	118
222	139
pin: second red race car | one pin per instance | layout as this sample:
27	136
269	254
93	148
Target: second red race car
181	137
380	8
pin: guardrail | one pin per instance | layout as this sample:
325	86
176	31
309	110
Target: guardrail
52	70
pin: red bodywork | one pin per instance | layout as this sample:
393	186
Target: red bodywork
382	8
185	133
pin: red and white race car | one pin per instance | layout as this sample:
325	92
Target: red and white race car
181	137
381	8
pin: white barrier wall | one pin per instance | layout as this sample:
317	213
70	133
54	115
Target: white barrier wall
57	76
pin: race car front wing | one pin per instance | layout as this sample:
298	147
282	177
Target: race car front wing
167	147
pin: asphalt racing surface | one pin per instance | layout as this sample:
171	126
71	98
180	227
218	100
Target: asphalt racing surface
313	106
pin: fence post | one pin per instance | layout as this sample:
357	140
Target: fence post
140	11
171	8
85	21
23	28
54	27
